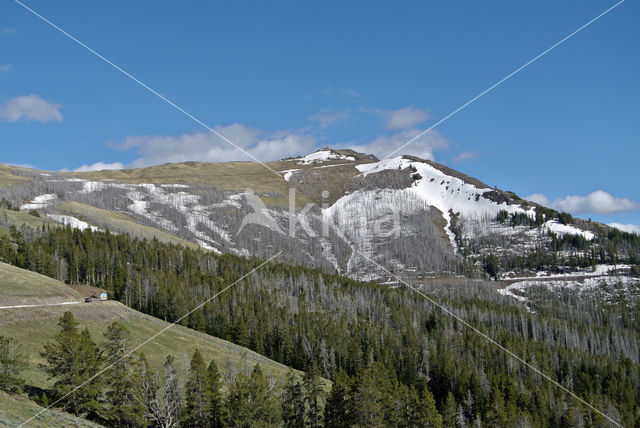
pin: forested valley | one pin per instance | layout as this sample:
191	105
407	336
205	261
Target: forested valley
389	351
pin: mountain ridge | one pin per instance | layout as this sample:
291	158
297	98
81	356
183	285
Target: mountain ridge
341	199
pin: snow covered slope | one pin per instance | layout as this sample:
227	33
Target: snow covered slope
450	195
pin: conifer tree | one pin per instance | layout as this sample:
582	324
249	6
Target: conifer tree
497	415
72	359
241	333
250	401
11	364
418	410
571	417
217	404
122	405
428	412
313	392
267	406
198	394
366	401
337	406
293	403
90	356
450	411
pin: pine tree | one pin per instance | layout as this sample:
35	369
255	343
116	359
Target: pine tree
418	410
428	411
313	393
11	364
217	404
199	394
497	415
366	401
337	407
250	401
72	359
241	333
450	411
91	359
267	406
293	403
571	418
122	407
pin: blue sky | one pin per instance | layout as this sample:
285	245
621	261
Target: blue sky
283	78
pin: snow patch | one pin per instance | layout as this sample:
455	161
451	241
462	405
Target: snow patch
566	229
208	247
174	186
322	156
289	173
39	202
73	222
92	186
511	289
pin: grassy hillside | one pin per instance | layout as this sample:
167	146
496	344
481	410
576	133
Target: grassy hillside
21	287
237	176
34	326
16	409
8	178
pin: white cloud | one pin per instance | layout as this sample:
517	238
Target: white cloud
99	166
205	146
30	107
631	228
264	145
404	118
9	30
538	198
5	68
327	118
598	202
465	156
422	147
